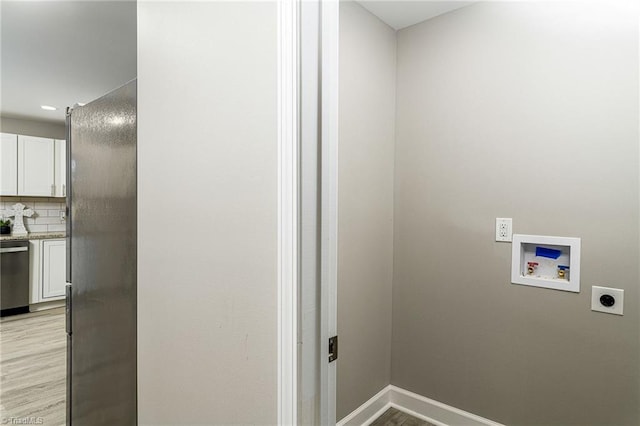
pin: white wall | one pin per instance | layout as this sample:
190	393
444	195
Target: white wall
367	73
43	129
207	205
526	110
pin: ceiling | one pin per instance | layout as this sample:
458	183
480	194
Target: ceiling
60	53
401	14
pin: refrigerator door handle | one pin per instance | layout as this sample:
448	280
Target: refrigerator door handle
13	249
67	195
68	309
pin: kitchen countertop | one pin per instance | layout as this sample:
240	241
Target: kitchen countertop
33	236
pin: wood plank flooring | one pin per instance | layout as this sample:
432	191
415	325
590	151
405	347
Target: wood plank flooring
393	417
33	367
33	371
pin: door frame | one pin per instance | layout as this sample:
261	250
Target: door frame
329	83
289	214
288	253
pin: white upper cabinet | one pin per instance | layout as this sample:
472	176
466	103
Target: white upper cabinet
32	166
36	166
9	164
61	168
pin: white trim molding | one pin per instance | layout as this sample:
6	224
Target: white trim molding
287	211
416	405
369	411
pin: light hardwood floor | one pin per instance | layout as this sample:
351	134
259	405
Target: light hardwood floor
33	367
33	371
393	417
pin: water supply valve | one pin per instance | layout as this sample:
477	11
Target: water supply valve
563	270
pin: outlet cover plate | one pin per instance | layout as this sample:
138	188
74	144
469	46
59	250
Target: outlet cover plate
617	293
504	229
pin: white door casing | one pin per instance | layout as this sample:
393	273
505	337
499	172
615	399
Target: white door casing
329	206
287	211
289	255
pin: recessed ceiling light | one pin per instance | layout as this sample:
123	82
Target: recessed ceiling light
48	108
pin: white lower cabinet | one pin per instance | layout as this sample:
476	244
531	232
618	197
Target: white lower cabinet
53	268
48	267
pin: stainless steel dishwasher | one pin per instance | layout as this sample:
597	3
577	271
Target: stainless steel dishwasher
14	277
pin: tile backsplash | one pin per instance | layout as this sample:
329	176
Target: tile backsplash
47	217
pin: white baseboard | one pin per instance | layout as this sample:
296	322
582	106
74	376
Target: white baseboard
417	405
369	411
35	307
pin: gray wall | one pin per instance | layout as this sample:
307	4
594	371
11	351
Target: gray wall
207	158
529	111
43	129
365	216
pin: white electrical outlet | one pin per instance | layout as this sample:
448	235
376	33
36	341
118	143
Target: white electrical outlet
607	300
504	229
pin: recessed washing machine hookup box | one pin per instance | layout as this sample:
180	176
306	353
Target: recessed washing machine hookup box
548	262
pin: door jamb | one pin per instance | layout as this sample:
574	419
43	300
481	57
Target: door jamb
287	74
329	28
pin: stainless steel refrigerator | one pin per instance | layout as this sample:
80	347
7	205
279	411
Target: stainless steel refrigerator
101	260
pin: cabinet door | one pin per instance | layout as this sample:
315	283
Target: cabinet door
53	268
9	164
36	166
61	168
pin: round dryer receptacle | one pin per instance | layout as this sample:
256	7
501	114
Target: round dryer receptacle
607	300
